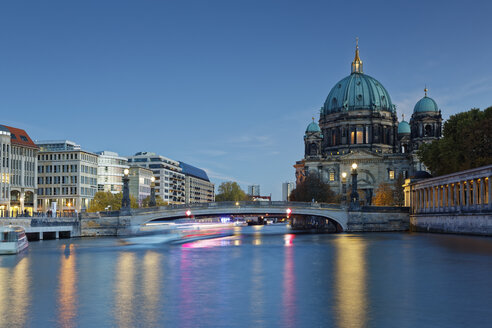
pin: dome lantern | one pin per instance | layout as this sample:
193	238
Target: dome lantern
357	63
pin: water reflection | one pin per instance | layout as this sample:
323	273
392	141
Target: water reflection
125	290
67	290
152	287
15	284
289	305
350	282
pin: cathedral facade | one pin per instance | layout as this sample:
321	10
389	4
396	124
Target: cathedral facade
358	124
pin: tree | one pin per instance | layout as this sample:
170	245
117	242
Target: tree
230	191
104	199
158	201
399	194
465	144
384	195
311	188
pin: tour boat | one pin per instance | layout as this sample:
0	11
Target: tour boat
12	239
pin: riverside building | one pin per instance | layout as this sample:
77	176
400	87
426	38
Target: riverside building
169	179
358	123
110	167
198	188
287	188
139	183
18	172
67	176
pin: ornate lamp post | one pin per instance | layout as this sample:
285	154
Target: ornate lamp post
354	195
125	202
152	192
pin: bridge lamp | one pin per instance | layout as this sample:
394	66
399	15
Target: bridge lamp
288	211
126	171
354	166
188	213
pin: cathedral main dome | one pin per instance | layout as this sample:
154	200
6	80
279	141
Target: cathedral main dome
358	91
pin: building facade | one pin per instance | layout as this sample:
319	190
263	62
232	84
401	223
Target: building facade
139	183
254	190
110	167
18	172
169	179
198	188
358	124
67	177
287	188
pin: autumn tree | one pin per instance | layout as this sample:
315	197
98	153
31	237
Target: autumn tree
384	195
230	191
311	188
158	201
466	143
104	199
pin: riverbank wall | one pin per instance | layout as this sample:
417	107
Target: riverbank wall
379	219
455	223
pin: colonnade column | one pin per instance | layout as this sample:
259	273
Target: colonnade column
468	194
450	197
482	193
462	195
490	193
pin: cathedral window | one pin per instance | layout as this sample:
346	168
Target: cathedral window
360	135
332	176
391	175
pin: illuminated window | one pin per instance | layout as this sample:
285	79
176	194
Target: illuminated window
391	175
332	176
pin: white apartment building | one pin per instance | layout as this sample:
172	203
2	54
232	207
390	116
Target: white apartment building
139	183
110	167
67	176
287	188
18	172
169	179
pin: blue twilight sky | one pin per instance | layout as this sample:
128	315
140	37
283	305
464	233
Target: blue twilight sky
228	86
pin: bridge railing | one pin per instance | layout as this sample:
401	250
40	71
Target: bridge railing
229	204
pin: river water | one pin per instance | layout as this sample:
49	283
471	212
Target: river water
259	277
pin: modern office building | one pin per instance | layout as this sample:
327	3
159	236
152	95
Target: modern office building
254	190
169	179
358	124
110	167
18	172
139	183
287	188
198	188
67	176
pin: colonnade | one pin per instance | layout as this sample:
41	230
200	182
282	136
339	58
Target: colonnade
458	192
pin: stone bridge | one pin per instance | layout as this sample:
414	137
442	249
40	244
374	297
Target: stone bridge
331	212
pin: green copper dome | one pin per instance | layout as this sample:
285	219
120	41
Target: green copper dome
403	127
358	91
425	104
313	127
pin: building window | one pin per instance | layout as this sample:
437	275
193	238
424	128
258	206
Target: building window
392	175
332	176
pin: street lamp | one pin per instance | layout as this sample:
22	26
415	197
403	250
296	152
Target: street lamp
354	195
125	202
152	192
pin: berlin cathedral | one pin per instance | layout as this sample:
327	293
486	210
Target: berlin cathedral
358	124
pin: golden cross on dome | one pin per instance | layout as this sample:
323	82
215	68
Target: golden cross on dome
425	90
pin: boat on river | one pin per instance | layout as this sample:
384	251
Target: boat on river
179	231
12	239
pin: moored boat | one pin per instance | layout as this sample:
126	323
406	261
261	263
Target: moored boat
12	239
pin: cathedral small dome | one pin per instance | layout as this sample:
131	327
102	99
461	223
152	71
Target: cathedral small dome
313	127
425	104
403	127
